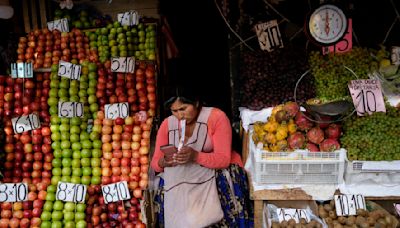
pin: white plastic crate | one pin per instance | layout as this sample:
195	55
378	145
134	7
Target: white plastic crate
381	172
298	167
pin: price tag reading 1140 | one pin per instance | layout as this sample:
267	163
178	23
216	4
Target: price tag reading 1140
115	192
25	123
69	192
367	96
70	109
14	192
114	111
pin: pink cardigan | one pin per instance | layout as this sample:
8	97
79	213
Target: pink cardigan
220	132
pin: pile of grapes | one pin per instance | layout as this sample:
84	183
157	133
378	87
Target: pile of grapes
269	79
330	75
374	137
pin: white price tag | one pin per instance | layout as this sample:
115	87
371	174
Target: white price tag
69	192
142	116
269	36
25	123
348	204
128	18
21	70
367	96
115	192
69	70
395	205
123	64
14	192
60	24
285	214
70	109
113	111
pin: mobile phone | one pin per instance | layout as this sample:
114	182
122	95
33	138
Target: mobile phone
168	149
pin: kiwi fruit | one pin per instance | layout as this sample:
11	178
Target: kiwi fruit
362	212
332	214
292	222
351	220
275	225
360	219
342	220
328	207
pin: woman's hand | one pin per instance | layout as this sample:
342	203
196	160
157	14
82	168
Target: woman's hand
167	161
185	155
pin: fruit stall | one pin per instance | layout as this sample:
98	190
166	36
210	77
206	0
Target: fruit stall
317	147
77	113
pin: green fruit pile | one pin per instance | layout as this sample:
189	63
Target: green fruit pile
331	76
374	137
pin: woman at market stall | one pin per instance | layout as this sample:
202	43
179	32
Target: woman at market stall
203	183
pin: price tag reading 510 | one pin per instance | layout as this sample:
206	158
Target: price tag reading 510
70	109
115	192
123	64
69	70
367	96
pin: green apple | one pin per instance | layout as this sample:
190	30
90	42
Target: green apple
86	144
62	93
94	135
55	120
97	144
56	163
64	127
46	216
65	136
56	136
51	188
76	154
65	144
69	224
56	145
75	130
69	216
80	207
85	162
66	162
90	91
58	205
53	92
74	138
86	180
76	163
86	153
48	206
53	110
95	162
96	180
54	128
57	153
66	153
77	172
76	146
69	206
75	180
66	171
96	171
64	83
45	224
65	178
79	216
96	153
75	121
86	171
51	196
52	101
56	171
82	93
56	216
84	85
84	136
74	98
73	84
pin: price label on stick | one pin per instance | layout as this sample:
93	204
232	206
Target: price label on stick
70	109
128	18
14	192
269	36
115	192
69	192
348	204
123	64
60	24
69	70
367	96
21	70
113	111
285	214
25	123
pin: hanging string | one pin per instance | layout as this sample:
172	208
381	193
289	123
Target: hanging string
393	23
230	28
276	11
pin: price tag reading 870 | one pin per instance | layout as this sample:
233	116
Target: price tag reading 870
113	111
70	109
14	192
60	24
123	64
69	192
367	96
115	192
69	70
348	204
285	214
25	123
128	18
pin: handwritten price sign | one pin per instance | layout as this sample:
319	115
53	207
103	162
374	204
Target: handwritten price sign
348	204
25	123
115	192
285	214
13	192
367	96
21	70
70	109
269	36
123	64
113	111
128	18
69	70
61	25
69	192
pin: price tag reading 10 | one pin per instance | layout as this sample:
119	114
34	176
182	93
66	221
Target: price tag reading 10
70	109
14	192
285	214
69	70
60	24
123	64
367	96
348	204
114	111
69	192
25	123
115	192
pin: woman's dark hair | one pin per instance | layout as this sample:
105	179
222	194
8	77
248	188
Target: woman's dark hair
185	94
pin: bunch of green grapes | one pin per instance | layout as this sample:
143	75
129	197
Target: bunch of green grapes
373	137
331	76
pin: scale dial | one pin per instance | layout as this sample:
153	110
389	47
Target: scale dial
327	24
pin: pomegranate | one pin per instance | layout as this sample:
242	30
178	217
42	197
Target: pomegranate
292	108
296	140
333	131
329	145
315	135
312	147
324	121
302	122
